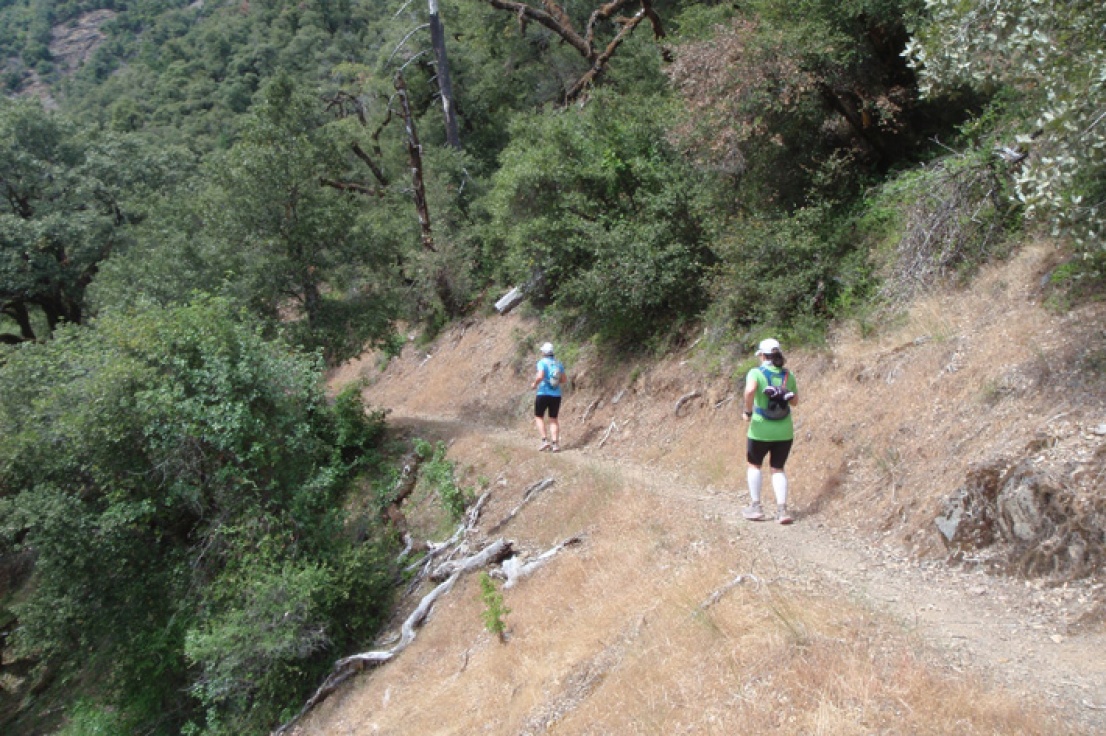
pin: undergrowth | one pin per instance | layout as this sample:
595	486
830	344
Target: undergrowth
438	472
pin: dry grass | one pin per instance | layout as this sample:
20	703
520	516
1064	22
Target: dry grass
612	638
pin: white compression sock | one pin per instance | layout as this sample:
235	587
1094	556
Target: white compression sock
779	485
753	475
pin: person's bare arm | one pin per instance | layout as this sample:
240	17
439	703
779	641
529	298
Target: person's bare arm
750	394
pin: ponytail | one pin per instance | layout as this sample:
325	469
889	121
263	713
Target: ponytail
777	358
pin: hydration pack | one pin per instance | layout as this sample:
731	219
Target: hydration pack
777	408
553	373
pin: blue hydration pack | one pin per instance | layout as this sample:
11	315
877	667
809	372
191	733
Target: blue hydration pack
778	408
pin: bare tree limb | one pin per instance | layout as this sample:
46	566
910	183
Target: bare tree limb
608	434
347	667
600	62
592	407
403	41
527	495
473	514
557	20
368	160
684	399
718	594
494	552
514	570
414	152
603	12
569	34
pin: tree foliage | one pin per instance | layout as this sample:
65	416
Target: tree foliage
1054	54
259	227
177	479
70	195
599	215
801	103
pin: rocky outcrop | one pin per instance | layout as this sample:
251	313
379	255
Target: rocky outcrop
72	43
1019	518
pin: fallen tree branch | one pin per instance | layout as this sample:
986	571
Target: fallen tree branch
608	434
445	575
684	399
592	407
348	666
514	570
405	485
494	552
473	514
717	595
433	551
527	495
408	545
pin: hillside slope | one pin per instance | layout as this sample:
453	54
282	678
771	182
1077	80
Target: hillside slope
675	616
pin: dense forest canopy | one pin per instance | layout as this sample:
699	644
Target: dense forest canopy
207	202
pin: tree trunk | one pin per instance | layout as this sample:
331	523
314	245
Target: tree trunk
437	40
18	312
414	151
311	300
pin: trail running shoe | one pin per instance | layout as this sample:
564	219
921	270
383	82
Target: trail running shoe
544	445
555	447
753	512
782	515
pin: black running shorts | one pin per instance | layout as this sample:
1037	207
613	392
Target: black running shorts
755	450
542	403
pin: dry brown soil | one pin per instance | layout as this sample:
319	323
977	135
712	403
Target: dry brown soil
676	616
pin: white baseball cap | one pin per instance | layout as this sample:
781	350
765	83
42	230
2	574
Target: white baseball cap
547	349
767	347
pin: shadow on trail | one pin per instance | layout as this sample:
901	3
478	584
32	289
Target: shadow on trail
431	429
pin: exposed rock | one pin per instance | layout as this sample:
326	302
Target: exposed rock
967	521
1025	520
71	44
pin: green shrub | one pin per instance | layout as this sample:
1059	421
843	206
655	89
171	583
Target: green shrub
602	219
438	473
494	609
180	480
782	276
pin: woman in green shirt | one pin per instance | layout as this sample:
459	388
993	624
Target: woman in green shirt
770	392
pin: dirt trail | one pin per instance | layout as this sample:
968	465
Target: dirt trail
855	622
973	620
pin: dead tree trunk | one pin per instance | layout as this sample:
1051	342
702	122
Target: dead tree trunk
445	86
414	152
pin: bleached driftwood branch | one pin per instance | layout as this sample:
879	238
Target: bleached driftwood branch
591	407
514	569
348	666
610	429
494	552
446	574
718	594
527	495
473	514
